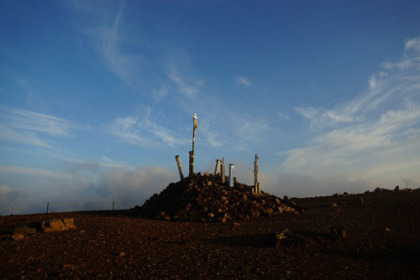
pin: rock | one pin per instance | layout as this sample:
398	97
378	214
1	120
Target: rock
18	236
338	233
24	230
69	223
54	225
397	188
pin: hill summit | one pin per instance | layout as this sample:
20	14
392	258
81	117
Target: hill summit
205	198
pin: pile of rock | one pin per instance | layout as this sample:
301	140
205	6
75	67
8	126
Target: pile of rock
205	198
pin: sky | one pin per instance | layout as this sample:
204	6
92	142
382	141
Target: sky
97	97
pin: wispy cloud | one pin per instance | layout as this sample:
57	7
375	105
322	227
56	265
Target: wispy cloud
251	130
283	116
27	120
243	81
375	133
10	135
413	44
161	93
108	34
32	171
21	126
188	88
145	131
398	83
123	65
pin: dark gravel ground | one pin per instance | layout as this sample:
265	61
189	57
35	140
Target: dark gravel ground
382	242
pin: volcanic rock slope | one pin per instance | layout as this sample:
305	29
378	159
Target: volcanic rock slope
205	198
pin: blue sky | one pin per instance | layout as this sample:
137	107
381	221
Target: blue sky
97	97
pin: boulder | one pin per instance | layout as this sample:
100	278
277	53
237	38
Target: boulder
24	230
54	225
18	236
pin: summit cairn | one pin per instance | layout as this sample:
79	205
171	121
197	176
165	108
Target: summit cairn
212	197
205	198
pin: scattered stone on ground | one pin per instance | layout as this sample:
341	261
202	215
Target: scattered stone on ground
289	238
51	225
205	198
54	225
118	245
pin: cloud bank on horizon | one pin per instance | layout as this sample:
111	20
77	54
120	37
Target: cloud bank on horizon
97	101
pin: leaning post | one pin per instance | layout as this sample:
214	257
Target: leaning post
217	168
178	163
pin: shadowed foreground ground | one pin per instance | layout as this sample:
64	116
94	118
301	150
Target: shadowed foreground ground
382	242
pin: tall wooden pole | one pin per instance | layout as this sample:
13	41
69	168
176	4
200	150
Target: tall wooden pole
256	170
195	125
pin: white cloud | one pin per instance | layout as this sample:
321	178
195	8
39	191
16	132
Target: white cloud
145	131
413	44
283	116
188	88
161	93
10	135
27	127
4	189
243	81
104	26
372	137
32	171
32	121
139	184
251	130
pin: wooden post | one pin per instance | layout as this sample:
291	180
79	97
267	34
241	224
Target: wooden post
231	179
48	207
178	163
257	186
191	171
216	170
195	125
223	170
256	170
113	204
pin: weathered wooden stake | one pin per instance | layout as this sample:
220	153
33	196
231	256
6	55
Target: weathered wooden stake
223	170
231	179
48	207
256	170
195	125
191	171
178	163
216	170
257	186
